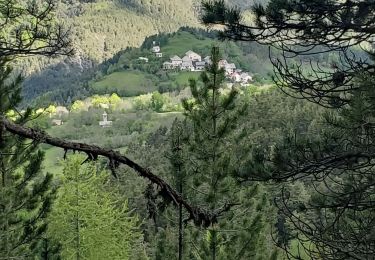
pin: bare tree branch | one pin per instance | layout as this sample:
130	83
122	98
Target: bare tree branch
198	215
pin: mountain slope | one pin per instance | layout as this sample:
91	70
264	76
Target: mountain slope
100	29
103	28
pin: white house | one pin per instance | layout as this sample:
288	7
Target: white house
230	68
246	78
199	65
236	77
222	64
156	49
187	64
193	62
105	122
207	59
57	122
193	56
186	59
176	61
159	55
168	65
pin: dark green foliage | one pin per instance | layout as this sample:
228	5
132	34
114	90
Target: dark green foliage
165	249
338	177
178	160
214	116
47	250
26	193
330	214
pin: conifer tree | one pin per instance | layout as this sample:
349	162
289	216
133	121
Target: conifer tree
177	145
208	112
213	113
336	163
26	193
88	220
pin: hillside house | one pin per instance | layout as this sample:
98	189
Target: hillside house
199	65
230	68
207	60
246	78
243	78
193	56
193	62
235	77
222	64
187	65
168	65
156	48
176	61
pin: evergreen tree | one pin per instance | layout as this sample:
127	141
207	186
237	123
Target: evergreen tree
213	115
48	250
178	164
89	221
336	163
178	141
336	218
26	193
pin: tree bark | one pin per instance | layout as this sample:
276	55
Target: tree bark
180	224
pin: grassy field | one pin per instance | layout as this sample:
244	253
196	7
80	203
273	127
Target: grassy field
127	127
182	78
53	156
184	41
131	83
125	83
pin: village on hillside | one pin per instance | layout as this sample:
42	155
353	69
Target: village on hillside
192	61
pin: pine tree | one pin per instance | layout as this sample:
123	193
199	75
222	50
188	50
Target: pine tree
336	163
177	145
48	250
26	193
213	113
336	218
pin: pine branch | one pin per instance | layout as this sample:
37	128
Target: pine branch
198	215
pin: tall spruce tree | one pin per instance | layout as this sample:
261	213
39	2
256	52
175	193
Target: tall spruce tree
208	112
27	28
213	113
176	155
26	193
